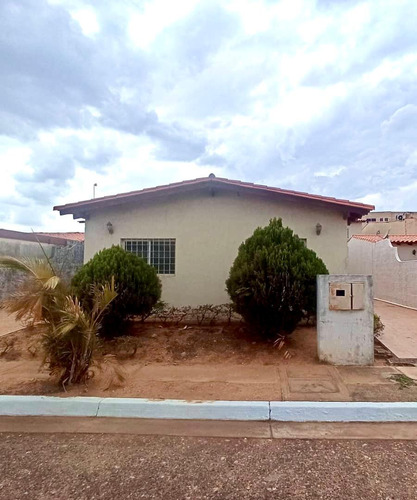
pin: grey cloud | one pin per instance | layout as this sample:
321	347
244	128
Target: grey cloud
47	67
52	72
176	143
195	39
213	159
54	165
127	118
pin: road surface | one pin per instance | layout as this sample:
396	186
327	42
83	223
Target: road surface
119	466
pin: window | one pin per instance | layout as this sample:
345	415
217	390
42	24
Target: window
158	252
381	219
386	219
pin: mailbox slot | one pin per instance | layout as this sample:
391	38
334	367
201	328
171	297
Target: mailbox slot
346	296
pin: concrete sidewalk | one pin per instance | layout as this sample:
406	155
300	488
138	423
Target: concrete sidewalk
400	332
283	382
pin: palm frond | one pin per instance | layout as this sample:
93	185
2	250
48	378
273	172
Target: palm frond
27	266
52	283
38	293
71	343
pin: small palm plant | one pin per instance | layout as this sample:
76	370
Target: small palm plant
70	344
69	331
40	291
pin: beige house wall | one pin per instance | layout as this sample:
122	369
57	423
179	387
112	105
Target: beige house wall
394	280
208	231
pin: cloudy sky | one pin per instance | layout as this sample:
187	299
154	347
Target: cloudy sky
311	95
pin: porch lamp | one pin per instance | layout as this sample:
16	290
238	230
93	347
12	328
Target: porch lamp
109	226
319	227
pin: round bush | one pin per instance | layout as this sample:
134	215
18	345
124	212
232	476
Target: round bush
272	282
137	284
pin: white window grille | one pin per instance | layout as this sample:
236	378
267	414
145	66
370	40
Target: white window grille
158	252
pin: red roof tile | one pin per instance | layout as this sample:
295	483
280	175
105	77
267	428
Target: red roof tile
400	239
66	236
80	208
396	239
372	238
36	237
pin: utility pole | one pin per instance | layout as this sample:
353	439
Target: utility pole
94	189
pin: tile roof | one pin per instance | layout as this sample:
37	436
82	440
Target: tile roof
372	238
396	239
400	239
35	237
66	236
79	209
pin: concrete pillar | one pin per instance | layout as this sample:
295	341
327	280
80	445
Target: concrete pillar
345	319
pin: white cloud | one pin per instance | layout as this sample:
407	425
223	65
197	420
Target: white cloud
312	95
87	20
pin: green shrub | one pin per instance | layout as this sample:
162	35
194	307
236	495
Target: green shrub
272	282
137	283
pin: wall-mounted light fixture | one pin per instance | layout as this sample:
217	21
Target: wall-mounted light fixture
110	228
319	227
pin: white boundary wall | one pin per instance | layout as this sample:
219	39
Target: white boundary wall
394	280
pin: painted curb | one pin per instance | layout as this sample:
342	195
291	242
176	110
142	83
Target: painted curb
310	411
275	411
177	409
48	406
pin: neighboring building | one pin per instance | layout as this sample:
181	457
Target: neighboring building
66	236
66	251
384	223
191	231
388	216
406	245
21	244
392	263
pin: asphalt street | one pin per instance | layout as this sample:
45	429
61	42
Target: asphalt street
109	466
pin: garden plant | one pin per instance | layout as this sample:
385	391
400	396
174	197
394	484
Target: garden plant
272	282
138	287
70	332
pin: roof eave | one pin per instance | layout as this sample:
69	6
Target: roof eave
82	209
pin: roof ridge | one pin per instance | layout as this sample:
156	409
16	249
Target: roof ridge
212	180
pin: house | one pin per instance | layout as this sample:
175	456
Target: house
406	244
191	231
392	261
65	250
21	244
383	223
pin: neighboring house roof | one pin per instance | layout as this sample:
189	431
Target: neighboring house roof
82	208
401	239
372	238
396	239
66	236
42	238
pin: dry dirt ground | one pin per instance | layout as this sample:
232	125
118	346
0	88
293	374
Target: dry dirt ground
202	363
148	345
87	467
